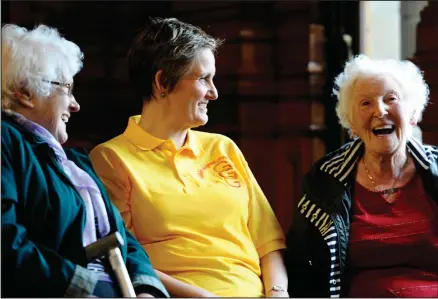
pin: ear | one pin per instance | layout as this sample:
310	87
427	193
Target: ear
412	120
353	134
23	98
158	83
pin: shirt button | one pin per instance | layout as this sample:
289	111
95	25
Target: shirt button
333	281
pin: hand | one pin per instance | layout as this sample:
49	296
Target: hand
205	294
272	294
144	295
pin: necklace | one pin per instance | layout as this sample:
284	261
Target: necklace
390	191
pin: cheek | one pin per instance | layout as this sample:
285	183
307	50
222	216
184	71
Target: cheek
359	119
200	91
353	114
197	95
55	123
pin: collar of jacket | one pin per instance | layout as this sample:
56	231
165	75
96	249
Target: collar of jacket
335	174
35	140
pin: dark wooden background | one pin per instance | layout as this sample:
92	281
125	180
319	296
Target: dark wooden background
274	75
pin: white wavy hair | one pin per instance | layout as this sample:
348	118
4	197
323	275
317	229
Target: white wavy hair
31	57
408	76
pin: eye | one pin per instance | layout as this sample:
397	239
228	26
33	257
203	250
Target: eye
391	98
364	103
206	80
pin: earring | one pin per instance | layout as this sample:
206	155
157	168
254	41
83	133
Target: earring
163	94
17	94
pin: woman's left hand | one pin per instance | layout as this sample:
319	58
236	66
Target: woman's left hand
281	294
142	295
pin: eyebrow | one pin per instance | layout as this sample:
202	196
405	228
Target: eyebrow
365	95
394	92
204	74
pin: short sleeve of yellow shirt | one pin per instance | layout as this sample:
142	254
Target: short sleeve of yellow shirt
198	211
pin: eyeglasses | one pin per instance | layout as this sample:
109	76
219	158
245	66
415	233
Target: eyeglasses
68	85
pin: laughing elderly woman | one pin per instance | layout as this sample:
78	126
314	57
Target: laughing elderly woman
367	225
53	204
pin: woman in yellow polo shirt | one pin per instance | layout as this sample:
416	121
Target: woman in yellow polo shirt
189	197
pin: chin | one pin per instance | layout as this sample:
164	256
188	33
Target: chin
62	139
202	121
387	149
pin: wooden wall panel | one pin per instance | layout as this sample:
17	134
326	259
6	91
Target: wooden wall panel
427	59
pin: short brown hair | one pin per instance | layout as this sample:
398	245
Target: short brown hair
169	45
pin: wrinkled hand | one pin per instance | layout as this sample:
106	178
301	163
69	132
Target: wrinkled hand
142	295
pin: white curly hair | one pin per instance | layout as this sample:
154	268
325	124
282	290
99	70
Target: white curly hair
30	58
408	76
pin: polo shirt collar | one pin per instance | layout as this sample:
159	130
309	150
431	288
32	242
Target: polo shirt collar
139	137
193	143
145	141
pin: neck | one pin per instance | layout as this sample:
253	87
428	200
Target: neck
24	113
386	167
157	121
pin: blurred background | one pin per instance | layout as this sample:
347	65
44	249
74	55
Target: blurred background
274	73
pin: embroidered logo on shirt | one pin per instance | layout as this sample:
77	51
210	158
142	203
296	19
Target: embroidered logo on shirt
222	167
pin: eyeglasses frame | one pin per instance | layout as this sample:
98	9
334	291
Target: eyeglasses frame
68	85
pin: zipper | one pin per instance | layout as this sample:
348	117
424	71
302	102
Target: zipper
338	241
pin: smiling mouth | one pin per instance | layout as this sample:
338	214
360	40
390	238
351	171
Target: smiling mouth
203	106
383	130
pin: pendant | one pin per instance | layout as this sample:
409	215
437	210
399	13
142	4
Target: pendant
389	191
390	195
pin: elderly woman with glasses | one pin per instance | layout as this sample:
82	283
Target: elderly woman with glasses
53	204
367	224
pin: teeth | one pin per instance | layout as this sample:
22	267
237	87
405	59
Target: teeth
383	130
384	127
202	105
64	118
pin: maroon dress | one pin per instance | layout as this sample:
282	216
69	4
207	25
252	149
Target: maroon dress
393	248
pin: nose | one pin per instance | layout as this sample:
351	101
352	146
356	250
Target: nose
212	93
381	109
74	106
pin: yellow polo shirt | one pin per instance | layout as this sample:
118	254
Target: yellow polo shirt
198	211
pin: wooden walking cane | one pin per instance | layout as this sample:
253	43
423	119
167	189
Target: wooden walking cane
109	247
